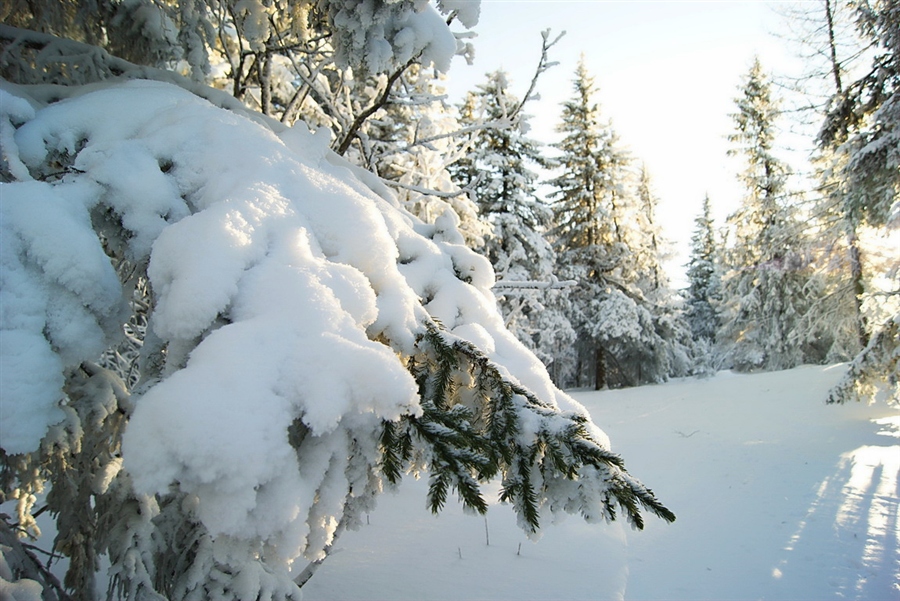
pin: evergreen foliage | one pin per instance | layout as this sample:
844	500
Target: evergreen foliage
863	120
490	426
861	137
413	144
497	172
228	360
606	240
874	373
335	64
704	286
768	285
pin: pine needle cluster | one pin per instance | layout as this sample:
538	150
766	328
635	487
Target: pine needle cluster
477	424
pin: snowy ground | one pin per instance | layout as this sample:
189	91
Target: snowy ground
778	496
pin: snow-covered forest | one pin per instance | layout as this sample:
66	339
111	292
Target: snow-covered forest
257	270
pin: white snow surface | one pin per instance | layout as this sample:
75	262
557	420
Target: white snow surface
778	496
276	264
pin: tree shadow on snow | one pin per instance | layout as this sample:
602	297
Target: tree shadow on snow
851	530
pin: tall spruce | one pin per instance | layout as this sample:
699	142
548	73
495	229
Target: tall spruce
592	178
597	211
703	296
704	285
671	354
498	173
766	284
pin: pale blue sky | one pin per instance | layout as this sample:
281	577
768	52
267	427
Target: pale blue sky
667	73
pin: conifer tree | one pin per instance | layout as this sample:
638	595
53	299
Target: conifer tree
498	174
597	214
413	143
703	292
671	354
862	128
650	244
830	49
863	119
222	340
593	173
767	280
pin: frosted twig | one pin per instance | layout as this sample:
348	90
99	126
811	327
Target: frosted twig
543	65
425	191
683	435
553	284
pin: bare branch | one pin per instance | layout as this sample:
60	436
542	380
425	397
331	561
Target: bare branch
379	103
543	65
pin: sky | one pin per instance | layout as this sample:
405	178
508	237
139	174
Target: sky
667	75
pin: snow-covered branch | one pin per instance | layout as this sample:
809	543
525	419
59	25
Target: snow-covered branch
424	191
552	284
93	64
543	65
301	342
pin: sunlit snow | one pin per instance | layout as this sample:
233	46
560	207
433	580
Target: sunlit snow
286	282
778	496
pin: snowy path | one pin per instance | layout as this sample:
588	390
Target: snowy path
778	496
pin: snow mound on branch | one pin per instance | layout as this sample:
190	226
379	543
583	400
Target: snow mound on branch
287	291
60	298
389	34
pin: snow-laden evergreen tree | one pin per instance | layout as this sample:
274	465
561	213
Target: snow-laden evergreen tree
767	287
648	242
704	294
335	63
597	217
498	173
220	341
824	35
864	118
862	128
415	140
704	285
673	349
370	37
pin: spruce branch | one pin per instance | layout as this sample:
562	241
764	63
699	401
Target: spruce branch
23	561
474	433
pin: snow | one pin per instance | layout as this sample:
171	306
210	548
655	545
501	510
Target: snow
289	288
287	291
778	496
382	36
58	294
466	11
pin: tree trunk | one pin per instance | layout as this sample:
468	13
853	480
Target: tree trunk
600	368
265	83
856	275
832	48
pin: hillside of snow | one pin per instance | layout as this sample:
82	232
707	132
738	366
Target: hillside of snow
778	496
